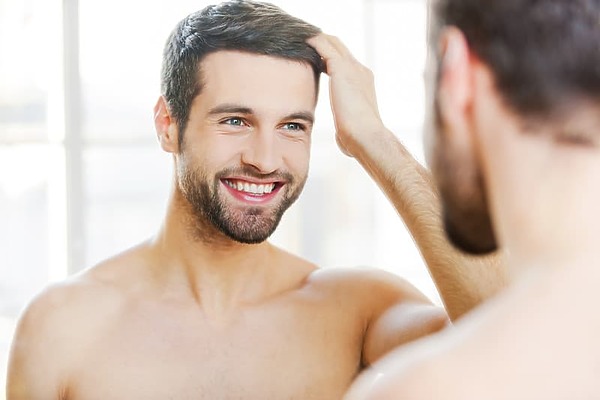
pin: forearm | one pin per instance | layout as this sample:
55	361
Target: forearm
463	281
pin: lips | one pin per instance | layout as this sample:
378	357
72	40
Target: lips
250	188
252	192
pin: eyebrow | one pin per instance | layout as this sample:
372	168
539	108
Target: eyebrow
307	116
303	115
230	109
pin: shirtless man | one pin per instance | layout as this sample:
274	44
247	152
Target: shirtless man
209	309
515	150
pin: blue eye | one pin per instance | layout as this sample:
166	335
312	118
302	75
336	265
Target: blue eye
234	121
294	126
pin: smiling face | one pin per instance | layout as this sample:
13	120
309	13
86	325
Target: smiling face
245	151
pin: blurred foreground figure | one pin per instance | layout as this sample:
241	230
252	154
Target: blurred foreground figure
514	146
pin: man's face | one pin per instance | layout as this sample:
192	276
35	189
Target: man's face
245	152
466	214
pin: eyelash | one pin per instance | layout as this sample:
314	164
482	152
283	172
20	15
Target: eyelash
300	127
242	122
228	121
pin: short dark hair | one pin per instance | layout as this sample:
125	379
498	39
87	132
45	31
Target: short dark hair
543	53
241	25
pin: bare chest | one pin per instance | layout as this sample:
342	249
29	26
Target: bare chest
273	353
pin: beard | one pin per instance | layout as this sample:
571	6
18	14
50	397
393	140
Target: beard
468	224
466	214
249	224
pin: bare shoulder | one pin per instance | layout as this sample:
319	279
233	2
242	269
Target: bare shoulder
67	304
63	307
58	324
378	285
501	349
349	282
393	311
100	288
375	293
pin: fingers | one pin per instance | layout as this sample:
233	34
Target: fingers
331	49
328	46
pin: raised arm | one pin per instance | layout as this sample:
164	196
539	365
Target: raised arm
463	281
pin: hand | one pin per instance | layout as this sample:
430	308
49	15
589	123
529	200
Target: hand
352	94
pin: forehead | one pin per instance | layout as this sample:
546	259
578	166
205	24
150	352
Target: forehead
257	80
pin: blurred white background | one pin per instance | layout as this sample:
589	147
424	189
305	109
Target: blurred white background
81	174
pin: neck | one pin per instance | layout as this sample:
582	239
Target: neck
543	196
565	242
199	261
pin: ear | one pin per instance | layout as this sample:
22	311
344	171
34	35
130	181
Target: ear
166	127
455	89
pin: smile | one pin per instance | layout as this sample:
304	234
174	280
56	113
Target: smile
250	188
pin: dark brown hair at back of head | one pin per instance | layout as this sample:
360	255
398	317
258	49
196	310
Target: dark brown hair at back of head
543	53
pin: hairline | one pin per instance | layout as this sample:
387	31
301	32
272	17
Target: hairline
199	83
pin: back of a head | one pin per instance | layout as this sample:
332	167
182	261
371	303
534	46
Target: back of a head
237	25
544	53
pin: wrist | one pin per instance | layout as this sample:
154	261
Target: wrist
369	140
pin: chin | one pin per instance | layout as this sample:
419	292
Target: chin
249	238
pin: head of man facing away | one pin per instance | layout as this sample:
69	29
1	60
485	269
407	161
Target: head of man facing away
239	85
514	133
514	146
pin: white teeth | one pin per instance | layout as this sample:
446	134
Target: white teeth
252	188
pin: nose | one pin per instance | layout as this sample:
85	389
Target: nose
262	152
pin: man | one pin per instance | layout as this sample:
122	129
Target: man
515	151
209	309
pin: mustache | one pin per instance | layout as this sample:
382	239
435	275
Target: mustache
252	173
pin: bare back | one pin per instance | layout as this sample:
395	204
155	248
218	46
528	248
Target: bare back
530	342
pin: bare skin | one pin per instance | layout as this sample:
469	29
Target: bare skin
194	314
463	281
538	338
127	329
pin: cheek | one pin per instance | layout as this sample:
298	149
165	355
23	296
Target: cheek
218	152
431	133
429	145
296	156
451	170
435	157
440	169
